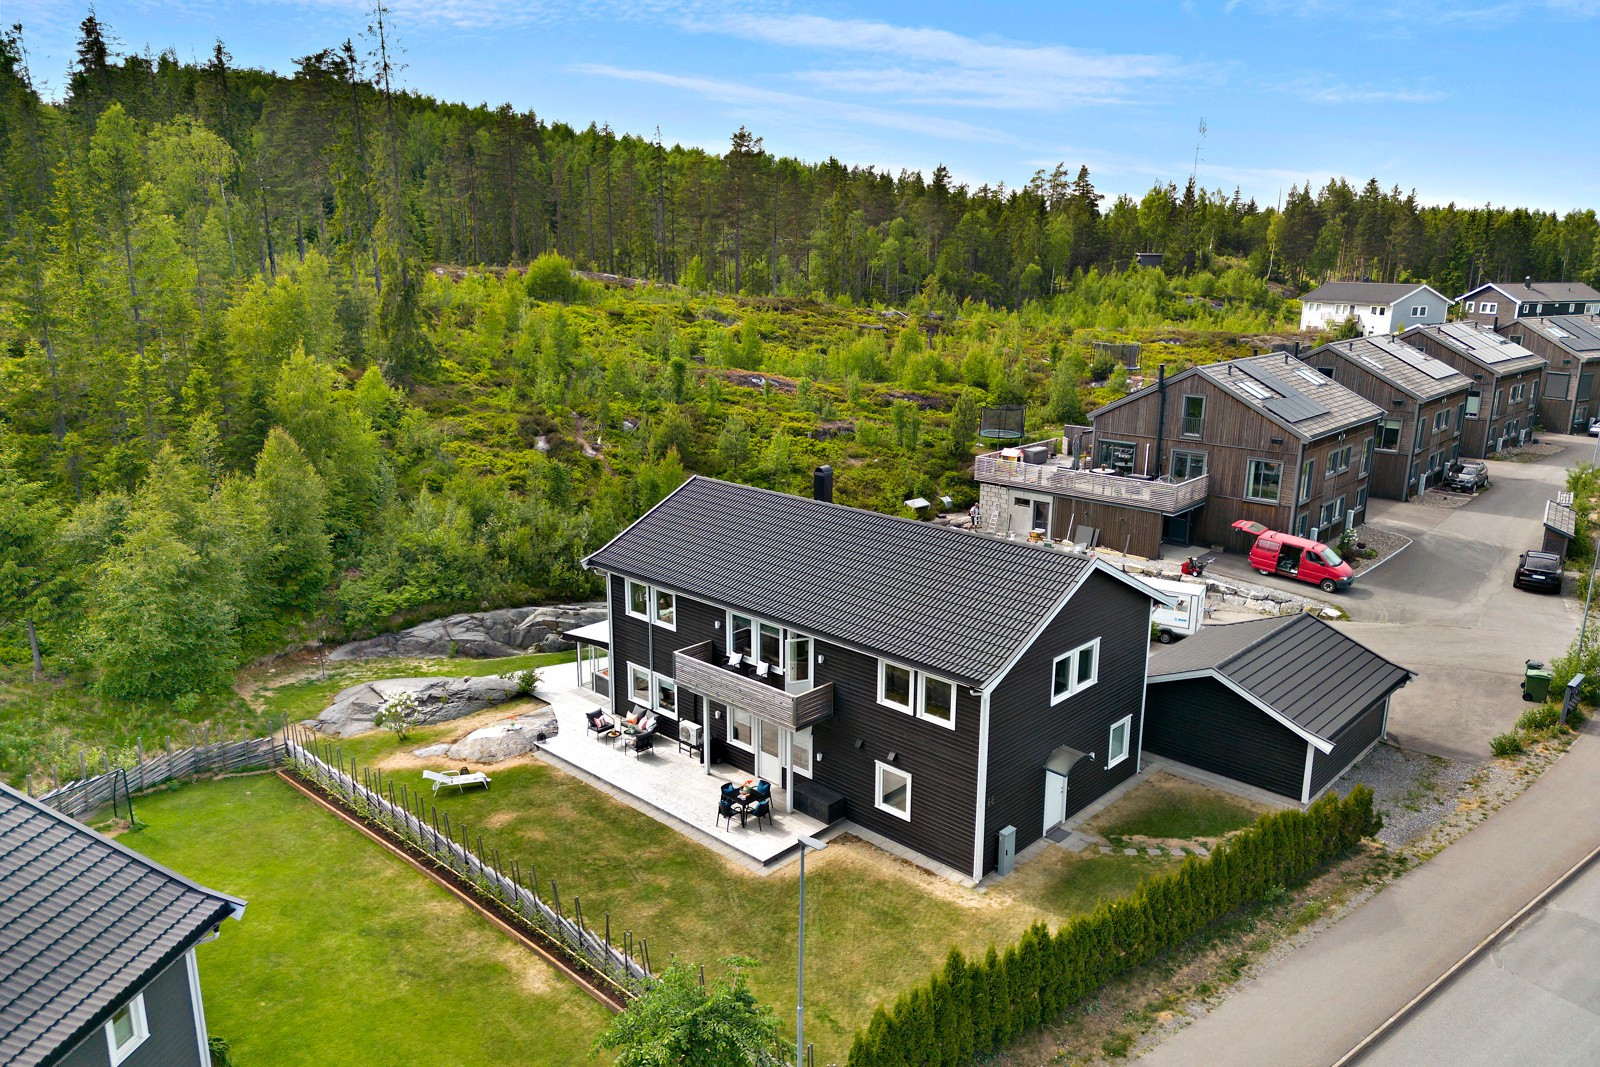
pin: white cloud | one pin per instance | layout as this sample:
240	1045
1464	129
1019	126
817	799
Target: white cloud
1341	93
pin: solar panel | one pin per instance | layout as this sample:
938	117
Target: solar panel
1312	376
1436	369
1291	405
1257	390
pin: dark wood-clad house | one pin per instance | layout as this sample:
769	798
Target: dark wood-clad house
928	684
1423	400
1274	441
1284	704
1570	345
1502	402
1494	303
97	965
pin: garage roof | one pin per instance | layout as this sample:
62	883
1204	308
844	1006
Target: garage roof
84	924
1303	672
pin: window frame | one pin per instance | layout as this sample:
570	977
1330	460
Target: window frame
1189	457
659	680
877	791
1487	307
1389	423
908	708
649	700
733	635
1074	684
141	1029
803	769
671	623
1250	467
733	719
627	600
925	680
1419	311
1198	420
1366	456
1126	724
1308	475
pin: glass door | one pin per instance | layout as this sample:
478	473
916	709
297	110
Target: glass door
769	753
797	666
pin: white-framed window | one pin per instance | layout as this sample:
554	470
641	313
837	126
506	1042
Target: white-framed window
1419	310
1382	309
894	686
769	645
1517	393
1117	744
1487	307
1441	420
740	629
127	1029
1332	512
893	791
667	696
1263	477
1074	671
638	600
741	729
800	751
1366	457
799	662
938	701
666	609
1474	404
1339	460
1308	471
1469	307
641	688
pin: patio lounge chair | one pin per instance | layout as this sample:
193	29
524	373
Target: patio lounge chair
598	723
440	779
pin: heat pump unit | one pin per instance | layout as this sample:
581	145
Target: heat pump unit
689	733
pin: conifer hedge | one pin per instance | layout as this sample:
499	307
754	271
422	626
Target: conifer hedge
974	1008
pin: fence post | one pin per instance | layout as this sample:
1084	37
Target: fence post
83	766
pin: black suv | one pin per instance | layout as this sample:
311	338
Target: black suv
1538	570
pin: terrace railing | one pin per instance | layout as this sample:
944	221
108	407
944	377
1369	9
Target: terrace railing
1164	495
697	670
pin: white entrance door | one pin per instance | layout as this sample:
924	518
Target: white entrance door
769	753
1055	798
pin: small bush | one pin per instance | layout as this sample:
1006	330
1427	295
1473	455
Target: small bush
1543	717
1507	744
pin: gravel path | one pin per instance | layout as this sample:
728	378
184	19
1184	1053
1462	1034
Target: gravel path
1414	791
1384	542
1438	498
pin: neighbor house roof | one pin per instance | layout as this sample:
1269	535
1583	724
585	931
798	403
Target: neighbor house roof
1366	292
1308	675
1539	292
1578	334
1561	518
1475	341
1410	370
952	602
84	924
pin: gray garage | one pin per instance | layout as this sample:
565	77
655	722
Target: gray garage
1285	704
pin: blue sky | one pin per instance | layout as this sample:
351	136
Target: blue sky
1427	95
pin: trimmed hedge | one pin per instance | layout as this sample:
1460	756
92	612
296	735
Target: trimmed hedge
974	1008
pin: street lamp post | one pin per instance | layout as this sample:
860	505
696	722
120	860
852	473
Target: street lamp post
807	844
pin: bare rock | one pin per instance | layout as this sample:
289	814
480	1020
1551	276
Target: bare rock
431	751
355	710
504	740
480	635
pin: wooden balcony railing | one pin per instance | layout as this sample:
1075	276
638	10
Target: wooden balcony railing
1163	495
697	670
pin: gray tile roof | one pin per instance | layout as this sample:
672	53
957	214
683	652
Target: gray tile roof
1309	672
1474	341
1408	369
1540	292
84	922
1578	334
1322	406
943	599
1561	518
1362	292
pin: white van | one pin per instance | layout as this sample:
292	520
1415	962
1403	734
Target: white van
1183	620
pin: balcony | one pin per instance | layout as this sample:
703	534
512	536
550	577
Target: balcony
1054	476
698	670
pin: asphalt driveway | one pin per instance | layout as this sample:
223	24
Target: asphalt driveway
1445	608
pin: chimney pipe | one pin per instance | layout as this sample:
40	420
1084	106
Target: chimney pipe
1161	414
822	484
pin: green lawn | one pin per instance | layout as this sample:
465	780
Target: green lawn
1168	807
876	924
346	955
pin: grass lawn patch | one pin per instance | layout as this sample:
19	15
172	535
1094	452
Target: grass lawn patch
1166	807
346	955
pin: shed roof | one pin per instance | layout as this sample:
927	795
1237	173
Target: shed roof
1478	343
1539	292
1561	518
84	923
1309	675
1366	292
952	602
1410	370
1578	334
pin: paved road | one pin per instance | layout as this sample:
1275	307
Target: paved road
1445	607
1534	997
1316	1004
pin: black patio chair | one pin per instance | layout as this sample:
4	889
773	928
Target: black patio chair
763	790
762	809
726	810
598	723
643	741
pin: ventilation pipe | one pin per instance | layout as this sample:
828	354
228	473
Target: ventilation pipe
822	484
1161	416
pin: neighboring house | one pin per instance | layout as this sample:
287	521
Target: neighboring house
1570	345
1380	307
97	946
1286	704
930	685
1422	398
1502	402
1273	440
1497	302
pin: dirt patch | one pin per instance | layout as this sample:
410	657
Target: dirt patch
499	820
1529	453
404	759
752	380
533	975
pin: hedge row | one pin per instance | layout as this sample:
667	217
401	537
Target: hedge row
975	1008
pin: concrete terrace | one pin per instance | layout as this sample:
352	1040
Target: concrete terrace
669	785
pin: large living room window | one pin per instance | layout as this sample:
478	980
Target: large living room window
893	793
1263	478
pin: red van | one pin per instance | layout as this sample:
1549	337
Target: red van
1296	557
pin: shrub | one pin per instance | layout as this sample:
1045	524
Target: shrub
1542	717
980	1006
550	277
1507	744
527	681
399	714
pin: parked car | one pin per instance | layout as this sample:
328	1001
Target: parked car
1594	427
1466	475
1296	557
1538	570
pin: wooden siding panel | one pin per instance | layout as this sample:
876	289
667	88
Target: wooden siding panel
1348	744
170	1013
1201	722
1025	727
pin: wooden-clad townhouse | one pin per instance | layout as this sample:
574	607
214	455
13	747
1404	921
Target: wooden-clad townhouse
1502	401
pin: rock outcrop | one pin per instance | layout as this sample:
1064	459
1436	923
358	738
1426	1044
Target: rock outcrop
354	710
481	635
503	740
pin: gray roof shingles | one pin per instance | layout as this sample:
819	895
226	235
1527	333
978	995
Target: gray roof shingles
942	599
1540	292
1306	670
1363	292
1578	334
1397	363
1495	353
1345	408
84	922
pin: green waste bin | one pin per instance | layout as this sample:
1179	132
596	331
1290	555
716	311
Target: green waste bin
1535	683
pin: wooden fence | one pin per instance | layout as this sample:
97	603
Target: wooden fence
412	817
90	794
